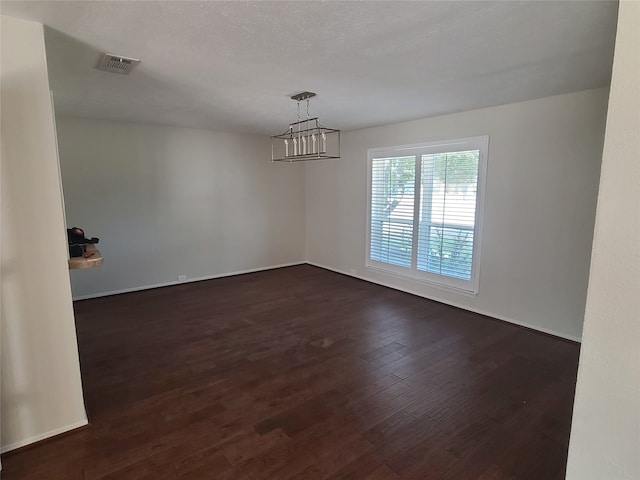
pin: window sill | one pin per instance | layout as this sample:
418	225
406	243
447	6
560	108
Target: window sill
422	281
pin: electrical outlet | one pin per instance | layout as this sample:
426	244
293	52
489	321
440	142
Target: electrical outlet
354	271
182	278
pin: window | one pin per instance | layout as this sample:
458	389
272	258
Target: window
425	207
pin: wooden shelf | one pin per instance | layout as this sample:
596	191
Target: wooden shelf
80	262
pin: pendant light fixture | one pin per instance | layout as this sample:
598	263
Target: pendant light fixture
305	139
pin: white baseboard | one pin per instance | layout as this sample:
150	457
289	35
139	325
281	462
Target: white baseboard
42	436
453	304
197	279
360	277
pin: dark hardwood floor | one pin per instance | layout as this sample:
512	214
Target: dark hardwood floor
301	373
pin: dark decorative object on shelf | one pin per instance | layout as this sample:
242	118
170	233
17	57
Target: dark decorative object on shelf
78	242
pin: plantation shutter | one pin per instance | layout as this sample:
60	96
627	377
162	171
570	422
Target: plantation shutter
392	210
425	211
448	190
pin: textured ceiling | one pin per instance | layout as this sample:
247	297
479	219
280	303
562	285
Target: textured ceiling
231	66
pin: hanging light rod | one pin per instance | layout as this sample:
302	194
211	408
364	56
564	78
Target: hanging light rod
305	139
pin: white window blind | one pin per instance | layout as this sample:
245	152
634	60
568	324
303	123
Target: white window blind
425	210
447	217
392	209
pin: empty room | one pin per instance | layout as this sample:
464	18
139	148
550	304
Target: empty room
320	240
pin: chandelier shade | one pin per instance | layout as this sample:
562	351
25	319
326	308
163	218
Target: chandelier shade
306	139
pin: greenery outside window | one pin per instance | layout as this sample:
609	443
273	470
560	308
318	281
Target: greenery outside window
425	211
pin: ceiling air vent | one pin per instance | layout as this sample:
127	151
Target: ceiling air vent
117	64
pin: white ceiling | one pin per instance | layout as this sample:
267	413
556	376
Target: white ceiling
231	66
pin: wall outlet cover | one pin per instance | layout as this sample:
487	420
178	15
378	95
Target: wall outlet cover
182	278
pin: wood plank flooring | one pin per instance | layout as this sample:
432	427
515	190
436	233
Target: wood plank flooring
302	373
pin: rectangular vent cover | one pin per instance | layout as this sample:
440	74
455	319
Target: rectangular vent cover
117	64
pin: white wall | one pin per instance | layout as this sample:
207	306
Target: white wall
543	170
41	389
169	201
605	436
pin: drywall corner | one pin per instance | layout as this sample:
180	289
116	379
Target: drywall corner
40	370
605	434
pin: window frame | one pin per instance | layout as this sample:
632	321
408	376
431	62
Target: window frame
418	150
